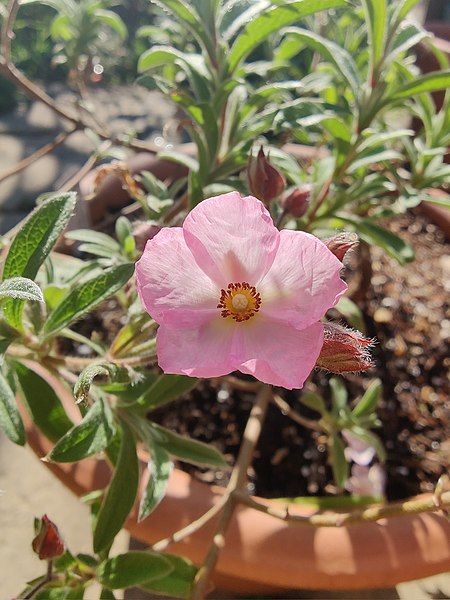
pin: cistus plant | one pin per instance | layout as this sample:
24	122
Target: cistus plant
227	296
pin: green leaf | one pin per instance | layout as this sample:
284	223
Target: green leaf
314	402
404	7
432	82
10	419
87	296
160	467
443	199
33	244
352	313
121	493
87	376
179	157
370	399
53	294
338	395
93	237
186	449
21	288
133	568
333	53
407	36
42	403
374	234
91	436
178	583
271	21
376	18
374	158
112	20
166	389
339	463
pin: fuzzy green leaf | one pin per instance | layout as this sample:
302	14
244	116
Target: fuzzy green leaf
271	21
43	403
186	449
338	461
33	244
10	419
87	296
121	493
178	583
133	568
166	389
432	82
21	288
91	436
376	18
160	468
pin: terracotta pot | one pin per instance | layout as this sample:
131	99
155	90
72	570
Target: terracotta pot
265	554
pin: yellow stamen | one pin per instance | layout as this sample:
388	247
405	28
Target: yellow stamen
240	301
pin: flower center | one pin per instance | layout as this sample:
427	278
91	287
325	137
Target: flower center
240	301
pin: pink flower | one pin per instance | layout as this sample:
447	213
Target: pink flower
231	292
357	450
367	481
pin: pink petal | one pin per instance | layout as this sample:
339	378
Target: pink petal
303	281
210	350
280	354
172	287
232	238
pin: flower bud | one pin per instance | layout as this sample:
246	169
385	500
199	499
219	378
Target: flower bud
341	243
344	350
265	181
144	231
296	203
47	544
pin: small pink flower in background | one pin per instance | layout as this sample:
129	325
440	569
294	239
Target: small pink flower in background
231	292
357	450
367	481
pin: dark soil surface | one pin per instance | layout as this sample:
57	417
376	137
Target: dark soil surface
407	311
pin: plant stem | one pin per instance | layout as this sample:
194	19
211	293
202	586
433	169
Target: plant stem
48	577
366	515
289	412
237	484
181	534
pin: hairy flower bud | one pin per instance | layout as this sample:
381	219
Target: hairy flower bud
47	544
296	203
341	243
265	181
344	350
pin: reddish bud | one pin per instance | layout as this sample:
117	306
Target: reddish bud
341	243
344	350
265	181
144	231
47	544
296	203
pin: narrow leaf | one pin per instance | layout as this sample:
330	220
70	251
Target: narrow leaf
166	389
338	461
376	18
91	436
186	449
43	403
33	244
21	288
178	584
160	467
10	419
87	296
133	568
121	493
370	399
271	21
432	82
